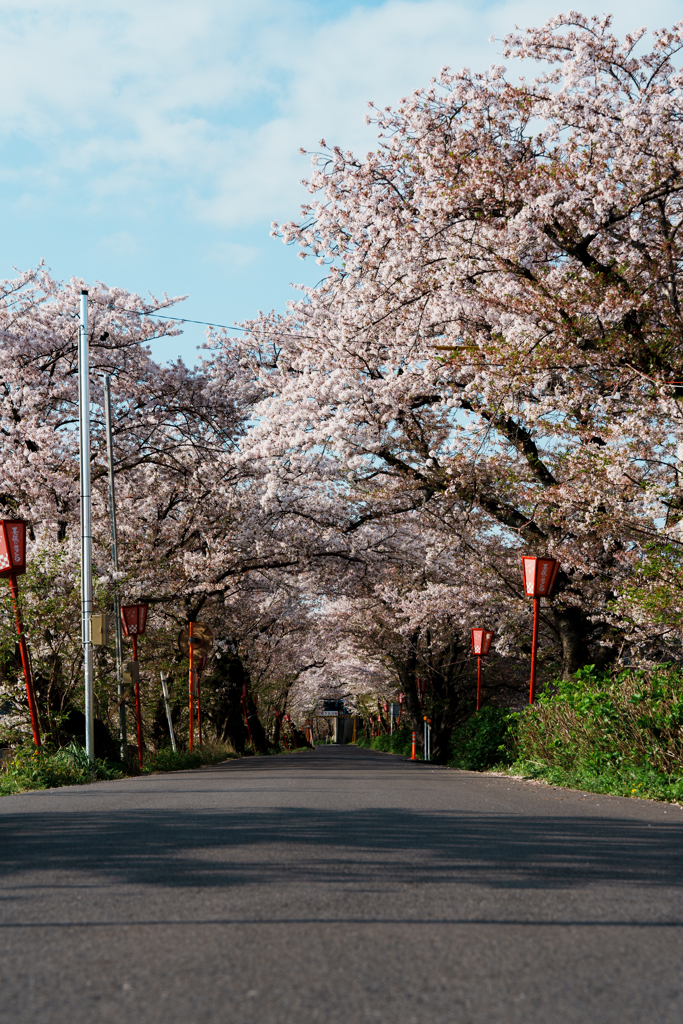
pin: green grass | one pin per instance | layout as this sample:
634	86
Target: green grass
399	743
629	780
165	760
486	739
29	768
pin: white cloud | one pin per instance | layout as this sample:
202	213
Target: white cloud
232	254
206	105
121	243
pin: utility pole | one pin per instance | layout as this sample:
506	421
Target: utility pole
115	562
86	524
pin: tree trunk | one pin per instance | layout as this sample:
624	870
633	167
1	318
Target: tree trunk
575	632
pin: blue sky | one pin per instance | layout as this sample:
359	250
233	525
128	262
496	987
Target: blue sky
150	144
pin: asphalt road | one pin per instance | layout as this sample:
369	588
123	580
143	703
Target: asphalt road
339	885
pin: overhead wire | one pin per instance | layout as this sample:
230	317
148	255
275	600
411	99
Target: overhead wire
203	323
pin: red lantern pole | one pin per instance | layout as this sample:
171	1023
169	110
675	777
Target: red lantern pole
191	653
13	564
534	645
134	622
138	713
481	645
538	577
25	661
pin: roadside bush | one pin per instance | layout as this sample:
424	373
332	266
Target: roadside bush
608	721
619	734
486	739
165	760
28	768
399	743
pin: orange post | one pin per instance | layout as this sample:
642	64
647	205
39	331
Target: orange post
25	660
191	653
414	754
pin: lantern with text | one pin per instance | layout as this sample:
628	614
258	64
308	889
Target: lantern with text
134	620
12	547
538	576
401	698
481	645
422	685
13	564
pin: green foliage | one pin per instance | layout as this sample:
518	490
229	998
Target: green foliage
606	721
165	760
657	590
486	739
629	780
399	743
29	768
619	734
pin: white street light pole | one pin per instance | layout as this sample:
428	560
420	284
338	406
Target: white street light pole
86	523
164	687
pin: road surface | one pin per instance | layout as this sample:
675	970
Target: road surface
339	885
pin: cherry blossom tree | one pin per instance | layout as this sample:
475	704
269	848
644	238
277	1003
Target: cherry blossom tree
498	333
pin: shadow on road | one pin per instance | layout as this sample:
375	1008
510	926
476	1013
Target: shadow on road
237	846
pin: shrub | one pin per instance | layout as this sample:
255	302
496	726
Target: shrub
28	768
399	743
165	760
607	721
486	739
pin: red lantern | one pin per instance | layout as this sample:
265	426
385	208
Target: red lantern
134	619
481	641
481	645
12	547
401	698
422	685
538	576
